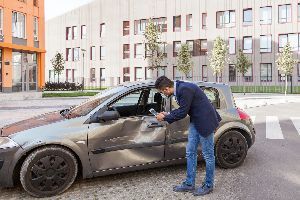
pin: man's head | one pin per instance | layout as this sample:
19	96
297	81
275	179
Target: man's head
165	86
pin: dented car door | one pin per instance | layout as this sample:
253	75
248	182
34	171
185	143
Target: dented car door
126	142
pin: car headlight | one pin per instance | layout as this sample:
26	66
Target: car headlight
6	143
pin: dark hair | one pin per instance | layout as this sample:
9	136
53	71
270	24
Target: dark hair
163	82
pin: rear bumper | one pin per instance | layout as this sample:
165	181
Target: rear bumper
7	164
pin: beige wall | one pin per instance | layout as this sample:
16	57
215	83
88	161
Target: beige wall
114	12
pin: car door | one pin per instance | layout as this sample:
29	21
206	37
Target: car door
177	132
136	138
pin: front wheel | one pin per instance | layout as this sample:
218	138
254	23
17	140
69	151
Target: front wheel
231	149
48	171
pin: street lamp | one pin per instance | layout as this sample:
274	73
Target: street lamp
83	53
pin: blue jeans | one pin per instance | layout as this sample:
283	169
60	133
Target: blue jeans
207	144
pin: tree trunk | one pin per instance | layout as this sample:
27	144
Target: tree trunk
286	82
58	77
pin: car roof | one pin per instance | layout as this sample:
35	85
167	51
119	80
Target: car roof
152	83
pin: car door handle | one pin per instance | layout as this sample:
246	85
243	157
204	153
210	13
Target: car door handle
154	125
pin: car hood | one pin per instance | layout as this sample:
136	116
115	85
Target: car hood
37	121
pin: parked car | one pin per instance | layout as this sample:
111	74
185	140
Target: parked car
113	132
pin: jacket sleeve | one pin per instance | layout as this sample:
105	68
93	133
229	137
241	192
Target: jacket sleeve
185	98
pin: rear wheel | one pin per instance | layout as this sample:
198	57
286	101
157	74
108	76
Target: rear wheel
48	171
231	149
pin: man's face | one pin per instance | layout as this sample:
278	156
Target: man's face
167	91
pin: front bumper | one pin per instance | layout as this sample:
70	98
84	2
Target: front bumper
7	164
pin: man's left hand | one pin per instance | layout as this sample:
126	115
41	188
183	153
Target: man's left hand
160	117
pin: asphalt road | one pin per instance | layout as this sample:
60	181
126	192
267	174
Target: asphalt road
270	171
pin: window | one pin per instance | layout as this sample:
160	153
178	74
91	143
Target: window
68	33
247	17
102	74
232	45
204	73
176	73
266	15
190	43
126	74
83	32
164	25
232	73
36	29
138	50
138	73
213	96
126	28
140	26
177	23
176	47
298	71
266	72
93	74
148	73
203	47
292	38
130	100
126	51
162	48
102	53
284	13
281	77
93	53
161	71
265	43
189	22
18	25
75	32
247	44
68	54
36	3
226	19
76	54
102	30
70	75
1	21
204	20
298	11
248	76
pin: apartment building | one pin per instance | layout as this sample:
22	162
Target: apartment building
22	45
103	41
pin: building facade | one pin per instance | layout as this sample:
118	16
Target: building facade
103	41
22	45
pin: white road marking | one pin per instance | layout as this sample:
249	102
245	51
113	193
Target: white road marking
296	122
253	118
273	129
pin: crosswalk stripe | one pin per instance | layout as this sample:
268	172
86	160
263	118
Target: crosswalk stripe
253	119
273	129
296	122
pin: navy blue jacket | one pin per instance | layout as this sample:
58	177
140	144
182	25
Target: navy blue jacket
193	101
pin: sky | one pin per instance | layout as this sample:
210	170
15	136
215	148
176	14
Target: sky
55	8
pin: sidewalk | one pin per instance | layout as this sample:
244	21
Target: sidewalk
252	100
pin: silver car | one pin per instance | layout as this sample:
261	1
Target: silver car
113	132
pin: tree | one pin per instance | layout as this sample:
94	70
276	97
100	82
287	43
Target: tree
58	64
286	63
153	46
184	61
218	57
242	65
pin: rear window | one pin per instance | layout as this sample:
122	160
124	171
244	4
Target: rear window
211	93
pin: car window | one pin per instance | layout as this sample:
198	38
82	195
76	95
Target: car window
131	99
211	93
89	105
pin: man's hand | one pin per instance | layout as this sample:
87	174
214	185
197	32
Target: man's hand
160	116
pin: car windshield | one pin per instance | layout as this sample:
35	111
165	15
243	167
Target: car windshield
90	104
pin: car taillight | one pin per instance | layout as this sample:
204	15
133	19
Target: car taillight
243	115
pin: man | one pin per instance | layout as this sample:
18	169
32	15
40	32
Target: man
204	119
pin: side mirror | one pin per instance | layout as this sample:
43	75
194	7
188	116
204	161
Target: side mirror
105	117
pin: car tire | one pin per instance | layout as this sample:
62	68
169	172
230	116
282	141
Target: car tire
48	171
231	149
